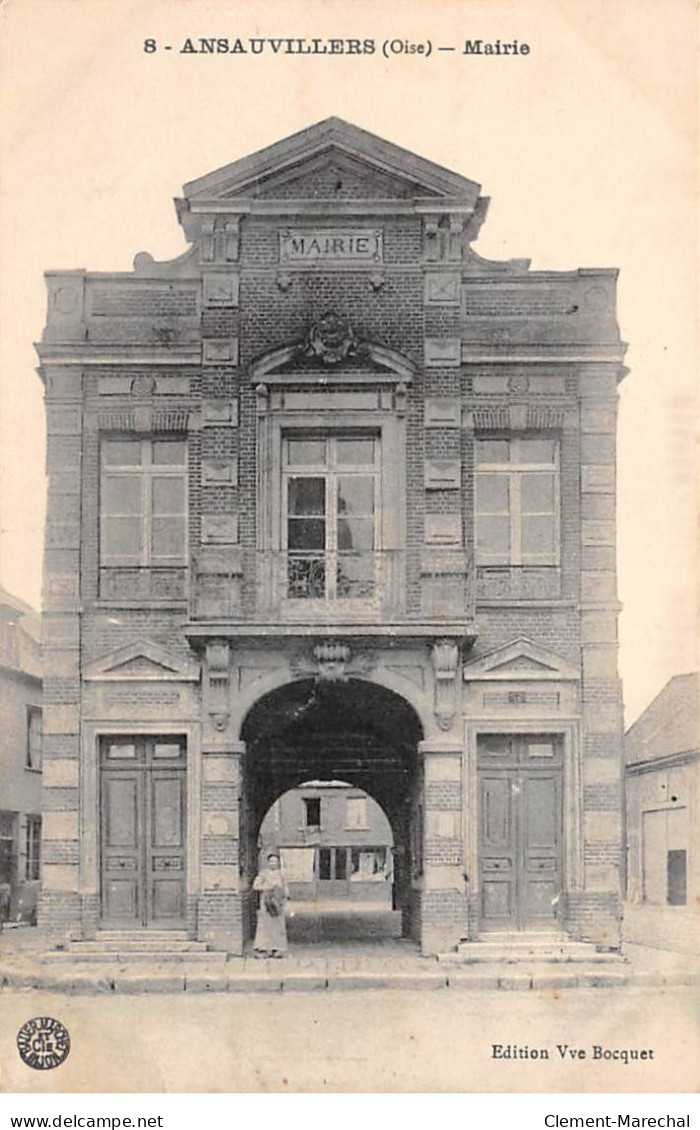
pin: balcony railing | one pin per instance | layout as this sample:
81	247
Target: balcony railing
301	585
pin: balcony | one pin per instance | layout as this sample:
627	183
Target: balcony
289	587
349	593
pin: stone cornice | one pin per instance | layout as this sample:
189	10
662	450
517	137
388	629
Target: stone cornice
474	353
247	206
385	630
667	761
88	354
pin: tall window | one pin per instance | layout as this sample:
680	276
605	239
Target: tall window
331	504
356	812
143	501
517	501
33	847
34	737
312	812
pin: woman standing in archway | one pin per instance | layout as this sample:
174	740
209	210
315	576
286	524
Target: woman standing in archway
271	929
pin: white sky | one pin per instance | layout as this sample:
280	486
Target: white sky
586	148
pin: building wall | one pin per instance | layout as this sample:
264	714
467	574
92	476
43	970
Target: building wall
20	783
227	347
286	827
662	786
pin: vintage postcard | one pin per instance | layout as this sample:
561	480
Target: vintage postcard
348	605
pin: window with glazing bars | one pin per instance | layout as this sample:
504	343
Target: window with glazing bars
331	516
517	501
143	508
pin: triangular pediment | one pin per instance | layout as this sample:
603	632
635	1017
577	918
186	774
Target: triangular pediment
142	661
521	660
333	175
332	160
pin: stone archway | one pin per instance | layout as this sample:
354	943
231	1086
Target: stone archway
353	731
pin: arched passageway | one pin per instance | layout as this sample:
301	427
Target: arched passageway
354	732
337	852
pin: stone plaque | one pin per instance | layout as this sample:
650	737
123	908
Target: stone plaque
331	245
442	288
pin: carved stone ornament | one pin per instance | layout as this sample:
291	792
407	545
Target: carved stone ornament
143	385
331	339
218	669
445	657
332	659
332	662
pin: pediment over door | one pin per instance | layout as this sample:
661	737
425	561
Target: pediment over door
315	360
521	660
142	661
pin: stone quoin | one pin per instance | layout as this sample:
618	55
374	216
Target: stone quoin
332	497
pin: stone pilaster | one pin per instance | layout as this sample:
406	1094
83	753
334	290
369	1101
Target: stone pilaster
594	912
60	902
219	911
443	895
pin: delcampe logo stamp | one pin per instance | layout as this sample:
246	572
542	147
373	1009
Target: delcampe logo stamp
43	1043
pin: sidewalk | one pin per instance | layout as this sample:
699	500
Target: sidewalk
390	963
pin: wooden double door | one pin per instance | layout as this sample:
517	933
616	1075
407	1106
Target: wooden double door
143	831
520	830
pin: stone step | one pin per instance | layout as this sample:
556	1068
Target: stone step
558	957
139	945
507	948
528	947
163	936
146	957
525	938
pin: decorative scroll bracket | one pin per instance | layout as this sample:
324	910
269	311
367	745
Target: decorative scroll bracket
218	668
445	657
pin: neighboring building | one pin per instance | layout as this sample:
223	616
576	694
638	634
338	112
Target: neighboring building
20	755
335	843
662	756
332	497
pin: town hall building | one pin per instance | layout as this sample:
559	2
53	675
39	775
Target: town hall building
332	497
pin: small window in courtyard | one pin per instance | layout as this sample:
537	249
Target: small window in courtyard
324	863
312	811
356	812
33	847
341	863
34	737
676	877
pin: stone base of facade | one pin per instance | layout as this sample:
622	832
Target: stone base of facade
594	916
60	915
443	921
220	921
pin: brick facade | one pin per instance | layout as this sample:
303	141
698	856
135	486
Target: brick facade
20	758
331	289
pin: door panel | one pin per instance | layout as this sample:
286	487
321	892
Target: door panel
122	878
498	852
332	873
520	832
541	815
165	856
143	821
